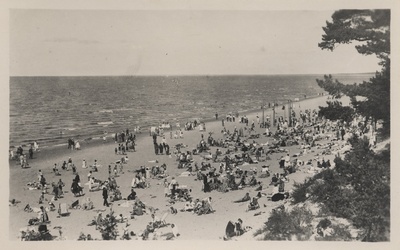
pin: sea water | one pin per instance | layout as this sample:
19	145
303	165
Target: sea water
52	109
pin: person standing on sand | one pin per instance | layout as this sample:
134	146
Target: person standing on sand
342	133
206	185
89	176
156	148
166	149
31	152
216	116
40	174
105	196
21	161
43	217
287	161
154	138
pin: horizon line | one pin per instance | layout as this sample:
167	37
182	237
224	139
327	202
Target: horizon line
180	75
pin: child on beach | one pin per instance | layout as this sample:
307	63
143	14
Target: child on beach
95	166
41	198
89	175
35	146
55	170
115	170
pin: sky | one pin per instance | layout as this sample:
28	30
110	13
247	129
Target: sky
175	42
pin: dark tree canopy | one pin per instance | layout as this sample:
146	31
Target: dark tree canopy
335	111
369	26
371	29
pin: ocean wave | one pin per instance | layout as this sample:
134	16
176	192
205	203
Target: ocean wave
105	123
106	111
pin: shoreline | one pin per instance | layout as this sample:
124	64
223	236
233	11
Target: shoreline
87	140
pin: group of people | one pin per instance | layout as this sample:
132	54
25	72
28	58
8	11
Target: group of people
160	148
73	145
233	150
234	229
22	157
198	206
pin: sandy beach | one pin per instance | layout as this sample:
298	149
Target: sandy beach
191	226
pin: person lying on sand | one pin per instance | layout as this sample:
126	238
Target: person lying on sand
244	199
173	234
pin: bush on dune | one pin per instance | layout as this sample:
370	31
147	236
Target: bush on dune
358	189
285	225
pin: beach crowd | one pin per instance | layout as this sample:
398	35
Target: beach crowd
228	159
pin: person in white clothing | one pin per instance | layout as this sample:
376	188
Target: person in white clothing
93	185
35	146
84	164
287	160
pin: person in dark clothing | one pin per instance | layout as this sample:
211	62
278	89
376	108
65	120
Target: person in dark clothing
105	196
31	153
42	181
156	148
160	148
342	133
132	195
75	188
230	230
206	184
20	150
77	178
154	138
